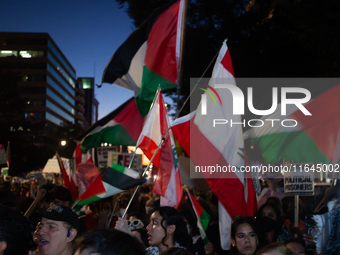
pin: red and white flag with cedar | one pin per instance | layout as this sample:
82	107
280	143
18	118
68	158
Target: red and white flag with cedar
203	217
168	181
222	145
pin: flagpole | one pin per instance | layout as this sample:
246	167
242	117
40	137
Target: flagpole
114	208
154	99
183	5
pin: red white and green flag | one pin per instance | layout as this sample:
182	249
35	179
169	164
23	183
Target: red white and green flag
149	57
315	138
66	179
223	146
168	183
120	127
203	217
111	181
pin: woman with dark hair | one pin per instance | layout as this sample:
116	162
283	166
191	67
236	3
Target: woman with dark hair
166	229
244	236
271	222
108	242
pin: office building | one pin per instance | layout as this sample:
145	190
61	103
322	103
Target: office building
47	78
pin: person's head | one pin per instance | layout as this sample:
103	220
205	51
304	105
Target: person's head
274	249
108	242
57	230
167	227
61	196
296	246
7	198
15	232
136	221
141	235
269	218
176	251
244	236
149	207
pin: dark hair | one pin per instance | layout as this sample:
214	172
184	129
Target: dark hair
176	251
62	193
296	240
279	218
171	216
7	197
280	247
143	235
15	230
110	242
242	220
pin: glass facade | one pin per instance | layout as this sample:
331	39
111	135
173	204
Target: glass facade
59	111
87	83
59	101
22	53
54	119
54	90
61	70
62	61
61	80
60	90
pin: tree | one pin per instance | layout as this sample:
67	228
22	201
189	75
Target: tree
266	38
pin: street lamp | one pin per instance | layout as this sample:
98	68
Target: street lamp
63	143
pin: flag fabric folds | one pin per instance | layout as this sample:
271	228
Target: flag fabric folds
203	217
149	57
86	173
120	127
3	159
108	183
315	139
220	146
66	179
168	182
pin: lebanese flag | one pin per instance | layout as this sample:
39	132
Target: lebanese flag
203	217
168	182
149	57
222	145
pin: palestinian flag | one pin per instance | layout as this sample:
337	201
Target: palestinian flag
120	127
149	57
202	217
110	182
304	138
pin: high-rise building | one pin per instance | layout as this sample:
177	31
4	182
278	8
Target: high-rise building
91	104
48	80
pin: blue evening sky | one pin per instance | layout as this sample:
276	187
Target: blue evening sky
88	32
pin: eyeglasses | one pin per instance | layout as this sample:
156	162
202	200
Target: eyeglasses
134	224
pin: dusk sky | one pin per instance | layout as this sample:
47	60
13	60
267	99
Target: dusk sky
88	32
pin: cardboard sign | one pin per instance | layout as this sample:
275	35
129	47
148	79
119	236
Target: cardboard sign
124	159
299	183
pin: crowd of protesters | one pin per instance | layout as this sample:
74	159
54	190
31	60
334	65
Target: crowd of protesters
36	218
